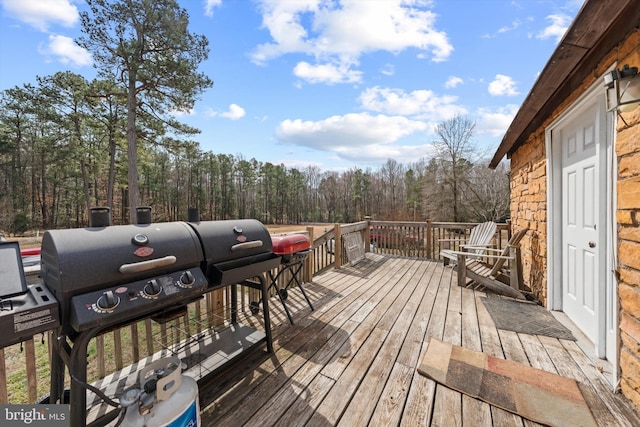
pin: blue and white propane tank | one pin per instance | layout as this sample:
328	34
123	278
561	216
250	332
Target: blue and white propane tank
166	397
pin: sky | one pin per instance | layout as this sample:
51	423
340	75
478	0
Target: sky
336	84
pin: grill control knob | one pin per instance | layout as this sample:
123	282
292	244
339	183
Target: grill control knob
152	288
108	301
187	279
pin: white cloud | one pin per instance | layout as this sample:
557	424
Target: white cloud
453	81
235	112
378	154
180	113
67	51
327	73
557	28
423	104
210	5
40	14
495	123
340	32
502	85
514	25
504	29
356	137
388	70
349	135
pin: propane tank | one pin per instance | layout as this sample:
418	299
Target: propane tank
166	398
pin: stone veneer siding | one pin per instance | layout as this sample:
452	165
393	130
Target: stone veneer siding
529	209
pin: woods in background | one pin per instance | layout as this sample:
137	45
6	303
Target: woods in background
63	148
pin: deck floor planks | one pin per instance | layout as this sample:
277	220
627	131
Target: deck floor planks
387	316
309	377
389	407
416	405
343	312
420	401
619	408
366	348
447	409
283	336
236	411
567	368
363	405
474	411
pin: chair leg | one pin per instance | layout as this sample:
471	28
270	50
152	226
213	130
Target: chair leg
462	270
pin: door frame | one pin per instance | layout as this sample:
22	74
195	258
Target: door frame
594	95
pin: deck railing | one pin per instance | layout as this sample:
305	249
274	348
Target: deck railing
24	368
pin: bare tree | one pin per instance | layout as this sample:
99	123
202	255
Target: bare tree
455	148
487	195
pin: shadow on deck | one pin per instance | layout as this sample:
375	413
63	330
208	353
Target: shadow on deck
353	360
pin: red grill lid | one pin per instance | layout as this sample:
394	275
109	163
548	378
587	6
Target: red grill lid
290	244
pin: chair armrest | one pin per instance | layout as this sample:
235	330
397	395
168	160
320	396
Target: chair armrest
483	248
475	255
480	247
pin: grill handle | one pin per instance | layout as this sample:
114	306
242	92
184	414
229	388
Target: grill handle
151	264
247	245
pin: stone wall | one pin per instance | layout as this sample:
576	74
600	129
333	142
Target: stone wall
628	219
528	209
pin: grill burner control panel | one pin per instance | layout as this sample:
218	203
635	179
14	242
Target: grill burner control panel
135	299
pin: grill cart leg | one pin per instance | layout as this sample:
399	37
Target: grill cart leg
294	268
254	306
76	360
267	318
295	277
281	295
57	372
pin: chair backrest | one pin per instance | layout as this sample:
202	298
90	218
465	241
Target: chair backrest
482	234
513	241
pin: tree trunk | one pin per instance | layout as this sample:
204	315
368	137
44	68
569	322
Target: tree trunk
132	150
85	185
112	169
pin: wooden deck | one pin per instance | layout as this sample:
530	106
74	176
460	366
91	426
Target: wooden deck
352	361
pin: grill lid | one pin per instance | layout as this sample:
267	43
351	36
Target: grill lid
290	243
235	250
232	239
81	260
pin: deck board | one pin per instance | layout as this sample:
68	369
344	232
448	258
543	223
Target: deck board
352	361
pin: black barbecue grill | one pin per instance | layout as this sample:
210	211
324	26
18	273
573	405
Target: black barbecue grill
109	276
105	276
235	250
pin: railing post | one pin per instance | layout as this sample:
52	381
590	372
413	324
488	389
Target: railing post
365	238
308	268
337	247
429	239
366	234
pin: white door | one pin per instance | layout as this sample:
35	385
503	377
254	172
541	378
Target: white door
581	255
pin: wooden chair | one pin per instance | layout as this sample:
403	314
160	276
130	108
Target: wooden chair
493	276
480	237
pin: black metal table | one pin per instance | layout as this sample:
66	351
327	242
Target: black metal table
292	264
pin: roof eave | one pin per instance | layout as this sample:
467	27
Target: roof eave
597	28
